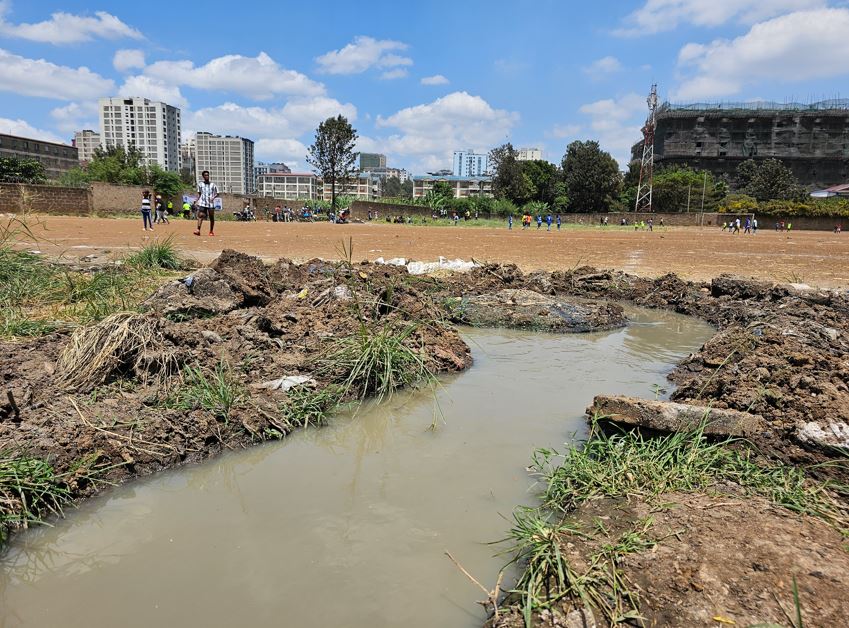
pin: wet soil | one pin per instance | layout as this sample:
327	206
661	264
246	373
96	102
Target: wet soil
780	352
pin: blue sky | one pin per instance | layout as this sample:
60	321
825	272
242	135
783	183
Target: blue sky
418	80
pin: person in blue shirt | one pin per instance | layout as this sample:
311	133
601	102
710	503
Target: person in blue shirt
510	222
558	222
539	222
548	221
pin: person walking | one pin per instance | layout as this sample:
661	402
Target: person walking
510	222
558	222
145	211
548	221
207	193
539	222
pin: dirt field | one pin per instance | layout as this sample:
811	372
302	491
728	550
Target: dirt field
814	257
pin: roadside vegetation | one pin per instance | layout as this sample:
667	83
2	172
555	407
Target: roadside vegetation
617	465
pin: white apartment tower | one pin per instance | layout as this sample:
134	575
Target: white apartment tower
230	161
468	163
87	142
528	154
153	127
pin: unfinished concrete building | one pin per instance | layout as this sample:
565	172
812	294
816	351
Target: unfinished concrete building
812	140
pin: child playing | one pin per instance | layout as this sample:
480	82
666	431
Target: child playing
145	210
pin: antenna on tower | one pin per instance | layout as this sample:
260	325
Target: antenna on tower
644	188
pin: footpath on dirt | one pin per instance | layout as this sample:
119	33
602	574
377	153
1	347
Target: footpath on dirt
726	504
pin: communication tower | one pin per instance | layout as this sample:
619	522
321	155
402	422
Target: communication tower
644	188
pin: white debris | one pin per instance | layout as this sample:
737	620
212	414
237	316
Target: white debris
423	268
285	383
395	261
834	434
343	293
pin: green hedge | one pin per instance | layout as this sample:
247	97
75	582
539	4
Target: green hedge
740	203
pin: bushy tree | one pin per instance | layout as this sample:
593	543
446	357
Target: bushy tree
443	189
673	186
407	189
392	187
116	164
332	154
542	178
18	170
165	182
768	180
591	176
508	180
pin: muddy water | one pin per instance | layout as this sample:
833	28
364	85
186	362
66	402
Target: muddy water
347	525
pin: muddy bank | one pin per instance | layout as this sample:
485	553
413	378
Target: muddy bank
276	338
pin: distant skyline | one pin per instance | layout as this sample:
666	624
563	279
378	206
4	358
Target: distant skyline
417	81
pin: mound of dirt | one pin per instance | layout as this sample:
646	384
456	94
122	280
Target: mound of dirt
525	309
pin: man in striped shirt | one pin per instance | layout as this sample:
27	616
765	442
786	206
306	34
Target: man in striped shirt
207	193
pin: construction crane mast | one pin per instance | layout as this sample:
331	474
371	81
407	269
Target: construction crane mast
644	188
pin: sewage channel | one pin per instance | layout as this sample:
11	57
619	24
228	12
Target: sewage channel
345	525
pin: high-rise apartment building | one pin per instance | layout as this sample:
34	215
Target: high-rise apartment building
369	161
229	159
528	154
152	127
86	142
468	163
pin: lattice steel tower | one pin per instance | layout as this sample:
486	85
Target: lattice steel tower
644	188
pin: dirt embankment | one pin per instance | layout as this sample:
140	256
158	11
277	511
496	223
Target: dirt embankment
205	376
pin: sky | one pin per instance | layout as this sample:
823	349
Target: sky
416	80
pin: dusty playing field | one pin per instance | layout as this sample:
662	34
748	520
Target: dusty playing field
814	257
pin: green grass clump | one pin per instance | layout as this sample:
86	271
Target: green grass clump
29	492
306	406
625	464
159	254
216	390
375	361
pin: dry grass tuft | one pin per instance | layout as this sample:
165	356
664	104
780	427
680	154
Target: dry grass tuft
123	341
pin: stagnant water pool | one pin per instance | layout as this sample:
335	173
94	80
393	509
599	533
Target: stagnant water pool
345	525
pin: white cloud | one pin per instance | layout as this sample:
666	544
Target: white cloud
292	152
259	77
66	28
37	77
664	15
799	46
154	89
431	132
562	131
615	123
603	67
362	54
397	73
127	59
436	79
25	129
76	116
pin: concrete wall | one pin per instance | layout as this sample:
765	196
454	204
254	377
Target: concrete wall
44	199
360	209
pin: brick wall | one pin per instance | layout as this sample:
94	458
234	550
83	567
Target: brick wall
44	199
108	198
360	209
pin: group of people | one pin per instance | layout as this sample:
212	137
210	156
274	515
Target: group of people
162	210
750	226
528	219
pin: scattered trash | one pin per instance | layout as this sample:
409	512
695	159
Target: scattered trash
424	268
285	383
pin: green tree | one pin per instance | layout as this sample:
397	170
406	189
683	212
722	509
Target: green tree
542	178
332	154
392	187
509	181
17	170
768	180
407	189
117	165
674	186
165	182
443	189
592	177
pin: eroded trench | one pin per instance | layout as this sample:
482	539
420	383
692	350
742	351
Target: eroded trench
345	525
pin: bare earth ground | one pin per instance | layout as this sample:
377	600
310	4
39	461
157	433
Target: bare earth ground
814	257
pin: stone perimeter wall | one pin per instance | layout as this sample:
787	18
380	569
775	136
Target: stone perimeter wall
105	198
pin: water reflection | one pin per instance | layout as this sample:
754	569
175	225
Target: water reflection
345	525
